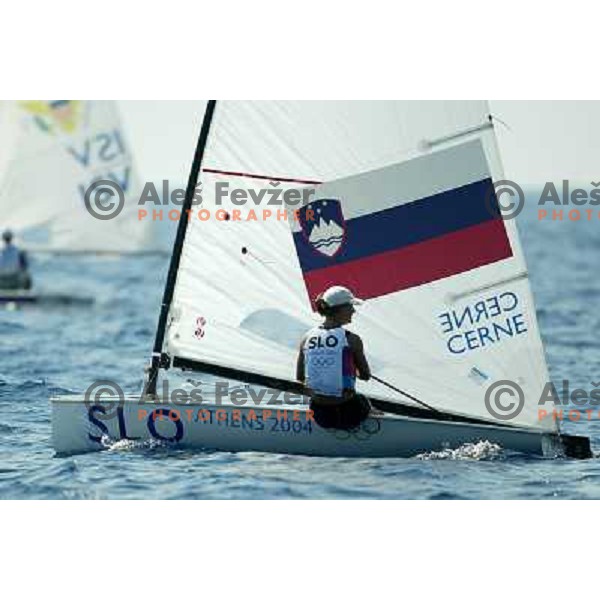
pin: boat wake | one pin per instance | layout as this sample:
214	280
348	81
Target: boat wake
127	445
482	450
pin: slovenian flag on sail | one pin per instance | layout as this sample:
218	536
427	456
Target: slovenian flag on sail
402	226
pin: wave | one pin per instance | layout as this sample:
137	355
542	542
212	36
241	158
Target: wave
482	450
125	445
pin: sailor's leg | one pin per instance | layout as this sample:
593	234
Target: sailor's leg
325	412
354	411
26	280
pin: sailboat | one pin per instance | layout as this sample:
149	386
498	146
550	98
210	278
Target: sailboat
394	200
53	152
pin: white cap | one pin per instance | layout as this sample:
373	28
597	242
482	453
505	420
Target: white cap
338	296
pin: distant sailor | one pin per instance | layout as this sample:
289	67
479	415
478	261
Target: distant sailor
13	266
329	360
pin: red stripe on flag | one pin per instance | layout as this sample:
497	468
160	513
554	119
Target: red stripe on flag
417	264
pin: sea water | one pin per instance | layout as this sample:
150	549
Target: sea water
49	352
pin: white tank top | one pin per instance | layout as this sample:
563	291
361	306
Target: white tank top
328	361
10	262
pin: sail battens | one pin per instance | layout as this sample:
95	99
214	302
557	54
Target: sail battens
490	286
458	135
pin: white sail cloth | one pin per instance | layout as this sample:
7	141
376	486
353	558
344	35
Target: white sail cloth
449	313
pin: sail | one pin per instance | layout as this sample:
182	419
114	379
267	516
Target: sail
395	205
53	151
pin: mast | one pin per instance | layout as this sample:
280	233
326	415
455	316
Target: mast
158	358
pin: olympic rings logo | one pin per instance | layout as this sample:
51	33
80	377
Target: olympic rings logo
369	427
321	361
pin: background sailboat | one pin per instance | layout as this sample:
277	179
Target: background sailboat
52	152
449	310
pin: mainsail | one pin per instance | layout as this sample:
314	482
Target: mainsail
401	209
52	152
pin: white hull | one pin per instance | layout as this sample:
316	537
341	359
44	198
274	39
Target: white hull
79	428
17	298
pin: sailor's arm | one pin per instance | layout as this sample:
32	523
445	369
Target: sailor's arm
360	360
23	260
300	363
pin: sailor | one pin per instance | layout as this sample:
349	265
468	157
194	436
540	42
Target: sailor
329	360
13	266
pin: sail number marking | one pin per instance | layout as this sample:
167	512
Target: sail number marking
178	423
483	323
